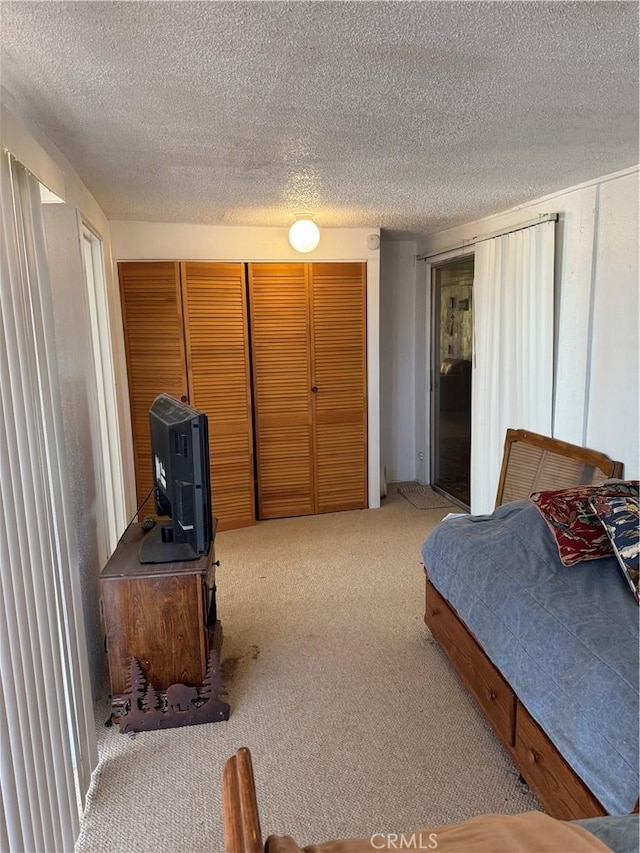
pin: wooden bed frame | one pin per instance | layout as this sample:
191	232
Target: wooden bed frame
531	462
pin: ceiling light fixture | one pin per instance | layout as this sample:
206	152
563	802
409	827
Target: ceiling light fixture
304	235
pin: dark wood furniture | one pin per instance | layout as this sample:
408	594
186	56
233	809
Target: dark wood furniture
163	614
530	462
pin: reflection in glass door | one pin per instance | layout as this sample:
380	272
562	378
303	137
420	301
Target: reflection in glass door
452	337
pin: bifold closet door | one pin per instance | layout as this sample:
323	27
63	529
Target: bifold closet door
308	326
338	353
154	344
280	338
186	333
217	347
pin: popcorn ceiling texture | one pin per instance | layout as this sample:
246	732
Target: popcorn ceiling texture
411	116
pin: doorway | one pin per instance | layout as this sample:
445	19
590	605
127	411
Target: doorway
106	442
452	354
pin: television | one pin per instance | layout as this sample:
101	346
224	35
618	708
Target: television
181	483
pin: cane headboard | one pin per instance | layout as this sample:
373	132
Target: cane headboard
533	462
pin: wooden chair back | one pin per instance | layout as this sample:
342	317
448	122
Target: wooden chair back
242	832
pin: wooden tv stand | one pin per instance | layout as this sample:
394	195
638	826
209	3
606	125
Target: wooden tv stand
163	614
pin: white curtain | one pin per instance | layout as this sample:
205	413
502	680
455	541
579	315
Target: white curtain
513	349
47	722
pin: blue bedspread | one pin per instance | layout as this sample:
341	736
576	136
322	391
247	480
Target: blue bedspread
565	638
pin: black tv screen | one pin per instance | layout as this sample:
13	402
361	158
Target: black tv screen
182	489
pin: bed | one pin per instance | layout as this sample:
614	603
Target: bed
532	831
549	652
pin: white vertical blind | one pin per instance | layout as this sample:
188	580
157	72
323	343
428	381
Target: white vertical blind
512	383
44	671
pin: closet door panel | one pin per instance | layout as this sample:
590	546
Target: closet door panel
282	381
338	300
215	316
154	344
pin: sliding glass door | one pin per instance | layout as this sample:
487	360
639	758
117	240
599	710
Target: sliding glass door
452	353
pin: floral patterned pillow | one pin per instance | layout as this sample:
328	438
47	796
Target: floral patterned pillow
576	528
620	518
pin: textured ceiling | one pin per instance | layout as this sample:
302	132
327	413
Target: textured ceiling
407	116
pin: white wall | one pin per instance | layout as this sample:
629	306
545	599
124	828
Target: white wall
74	355
597	349
397	359
614	383
179	241
155	241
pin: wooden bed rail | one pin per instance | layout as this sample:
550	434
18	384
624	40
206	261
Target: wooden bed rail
239	805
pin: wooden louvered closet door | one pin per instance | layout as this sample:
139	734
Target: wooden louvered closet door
280	338
338	346
308	328
154	344
215	319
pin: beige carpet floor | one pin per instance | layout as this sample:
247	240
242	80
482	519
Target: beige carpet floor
355	720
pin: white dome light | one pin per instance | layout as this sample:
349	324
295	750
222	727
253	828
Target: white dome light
304	235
